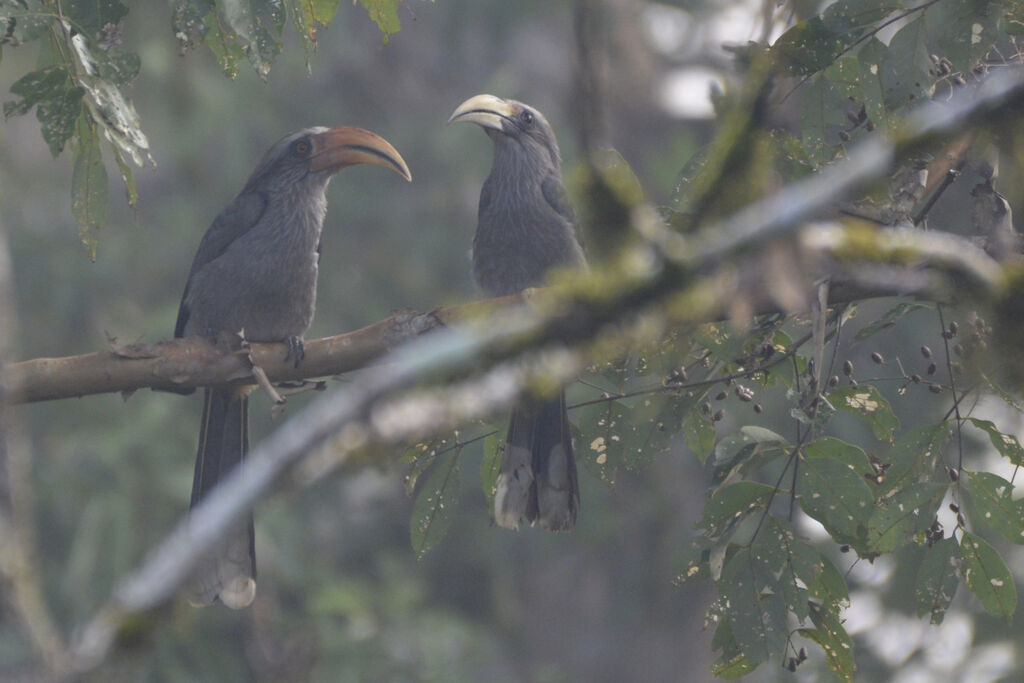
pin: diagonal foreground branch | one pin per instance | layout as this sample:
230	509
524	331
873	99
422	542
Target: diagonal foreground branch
472	370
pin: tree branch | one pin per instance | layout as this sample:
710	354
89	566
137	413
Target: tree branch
181	365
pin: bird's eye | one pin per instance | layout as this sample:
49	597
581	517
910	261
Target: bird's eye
300	148
526	116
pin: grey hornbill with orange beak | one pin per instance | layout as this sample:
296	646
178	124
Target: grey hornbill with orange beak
525	228
255	275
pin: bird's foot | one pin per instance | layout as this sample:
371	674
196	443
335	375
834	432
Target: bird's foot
296	349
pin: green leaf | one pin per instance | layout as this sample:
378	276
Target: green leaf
699	434
824	582
729	504
774	547
891	317
258	28
987	576
830	635
91	16
384	13
905	514
750	448
436	503
838	497
731	665
57	118
840	451
604	429
46	84
867	403
906	65
938	578
693	560
22	21
962	31
990	498
754	605
1006	444
131	194
913	457
88	185
490	465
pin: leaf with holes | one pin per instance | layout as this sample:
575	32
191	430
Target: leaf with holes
840	451
913	457
834	494
750	448
990	499
436	503
731	664
937	579
731	503
693	560
867	403
987	576
753	603
699	434
1006	444
824	583
830	635
774	546
88	185
905	514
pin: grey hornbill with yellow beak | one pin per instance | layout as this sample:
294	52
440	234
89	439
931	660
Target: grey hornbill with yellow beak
255	275
525	228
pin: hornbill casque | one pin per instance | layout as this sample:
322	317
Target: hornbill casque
254	274
525	227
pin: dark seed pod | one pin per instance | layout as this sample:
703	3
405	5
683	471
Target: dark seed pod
954	507
844	548
848	368
758	408
802	655
932	368
870	126
791	664
844	136
717	417
954	327
705	408
810	367
958	349
954	474
935	388
721	396
833	381
877	357
926	351
960	521
916	379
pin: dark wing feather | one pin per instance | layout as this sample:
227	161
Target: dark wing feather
233	222
557	198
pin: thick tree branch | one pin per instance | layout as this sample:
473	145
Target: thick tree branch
181	365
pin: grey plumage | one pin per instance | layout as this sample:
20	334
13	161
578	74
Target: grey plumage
255	274
525	228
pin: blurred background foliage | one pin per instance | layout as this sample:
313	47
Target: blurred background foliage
343	594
